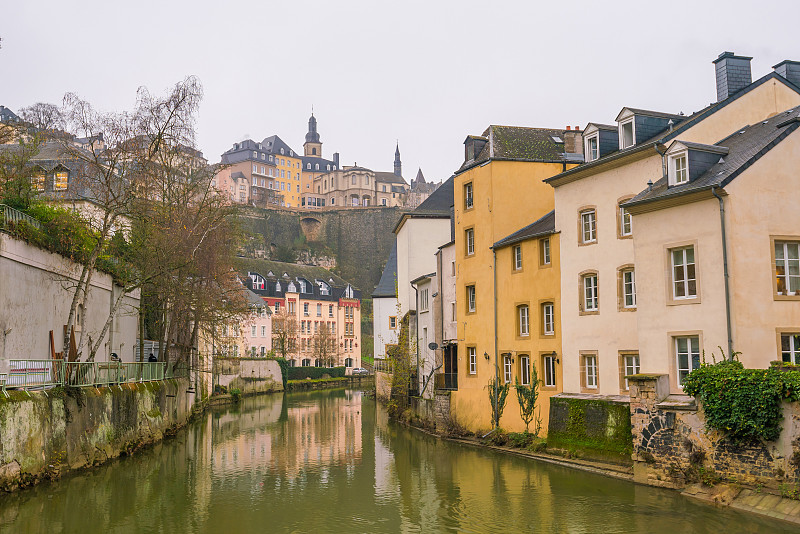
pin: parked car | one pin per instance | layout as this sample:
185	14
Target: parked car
358	371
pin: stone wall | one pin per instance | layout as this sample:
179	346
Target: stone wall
42	435
672	446
359	239
383	386
591	426
249	375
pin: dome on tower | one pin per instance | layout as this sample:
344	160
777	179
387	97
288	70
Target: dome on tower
312	136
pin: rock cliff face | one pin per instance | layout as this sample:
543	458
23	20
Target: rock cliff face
356	240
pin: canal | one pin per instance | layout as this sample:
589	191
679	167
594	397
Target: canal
330	461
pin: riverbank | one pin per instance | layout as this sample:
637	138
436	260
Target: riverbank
751	500
46	433
367	381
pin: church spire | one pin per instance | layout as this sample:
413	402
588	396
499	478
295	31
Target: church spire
398	166
313	146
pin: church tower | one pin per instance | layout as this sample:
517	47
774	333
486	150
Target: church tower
313	146
398	167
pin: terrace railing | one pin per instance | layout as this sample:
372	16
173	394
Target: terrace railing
10	214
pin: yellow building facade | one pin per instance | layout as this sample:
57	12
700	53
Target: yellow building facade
498	191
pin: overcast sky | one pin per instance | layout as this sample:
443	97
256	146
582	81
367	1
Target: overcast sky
426	73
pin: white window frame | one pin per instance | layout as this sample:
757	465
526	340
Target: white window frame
791	282
628	288
473	360
625	222
470	238
791	353
622	126
471	298
253	330
523	313
525	370
592	154
508	369
545	250
517	257
679	174
423	300
591	301
692	352
548	319
685	281
549	370
468	198
305	309
589	226
631	366
590	371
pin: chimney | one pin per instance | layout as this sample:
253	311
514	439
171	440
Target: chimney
573	141
789	69
569	128
733	74
336	159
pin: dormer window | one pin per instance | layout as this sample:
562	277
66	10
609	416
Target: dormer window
678	169
591	148
626	134
282	152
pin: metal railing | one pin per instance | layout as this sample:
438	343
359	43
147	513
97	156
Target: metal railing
43	374
12	215
446	381
384	366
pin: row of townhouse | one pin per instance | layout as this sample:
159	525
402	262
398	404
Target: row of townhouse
578	257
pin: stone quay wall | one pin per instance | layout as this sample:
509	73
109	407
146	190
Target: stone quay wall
47	433
672	446
249	375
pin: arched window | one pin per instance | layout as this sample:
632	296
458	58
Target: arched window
316	166
281	151
308	166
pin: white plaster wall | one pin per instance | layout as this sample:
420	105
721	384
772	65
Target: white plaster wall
448	284
417	243
382	309
35	297
427	357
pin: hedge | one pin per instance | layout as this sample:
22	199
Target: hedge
301	373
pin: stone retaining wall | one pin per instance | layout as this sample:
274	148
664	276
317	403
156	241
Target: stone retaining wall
42	435
673	447
249	375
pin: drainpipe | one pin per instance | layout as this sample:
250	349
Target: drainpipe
416	335
725	270
663	158
496	368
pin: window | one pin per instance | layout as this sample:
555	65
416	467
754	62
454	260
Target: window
60	181
37	182
687	352
625	222
525	370
628	288
253	331
319	310
330	310
590	297
453	312
628	365
678	169
393	323
589	371
684	281
470	240
790	347
277	307
518	258
468	196
263	331
787	267
523	324
548	319
305	309
544	251
588	226
591	149
507	369
383	202
471	299
473	360
452	268
549	370
626	134
291	307
423	300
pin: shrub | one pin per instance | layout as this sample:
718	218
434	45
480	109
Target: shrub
743	403
301	373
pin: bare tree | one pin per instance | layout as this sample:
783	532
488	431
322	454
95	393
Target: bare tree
284	333
43	116
324	345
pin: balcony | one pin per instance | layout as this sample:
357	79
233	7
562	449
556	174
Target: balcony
446	381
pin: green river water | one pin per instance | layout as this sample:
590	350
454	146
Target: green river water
330	461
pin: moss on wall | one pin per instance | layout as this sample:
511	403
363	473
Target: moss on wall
593	428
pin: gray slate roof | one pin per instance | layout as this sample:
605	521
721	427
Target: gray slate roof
518	143
745	147
389	178
544	226
438	203
386	286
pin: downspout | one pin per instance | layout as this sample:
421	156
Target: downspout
416	334
496	368
663	158
725	270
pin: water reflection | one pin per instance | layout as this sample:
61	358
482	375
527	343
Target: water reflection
332	462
